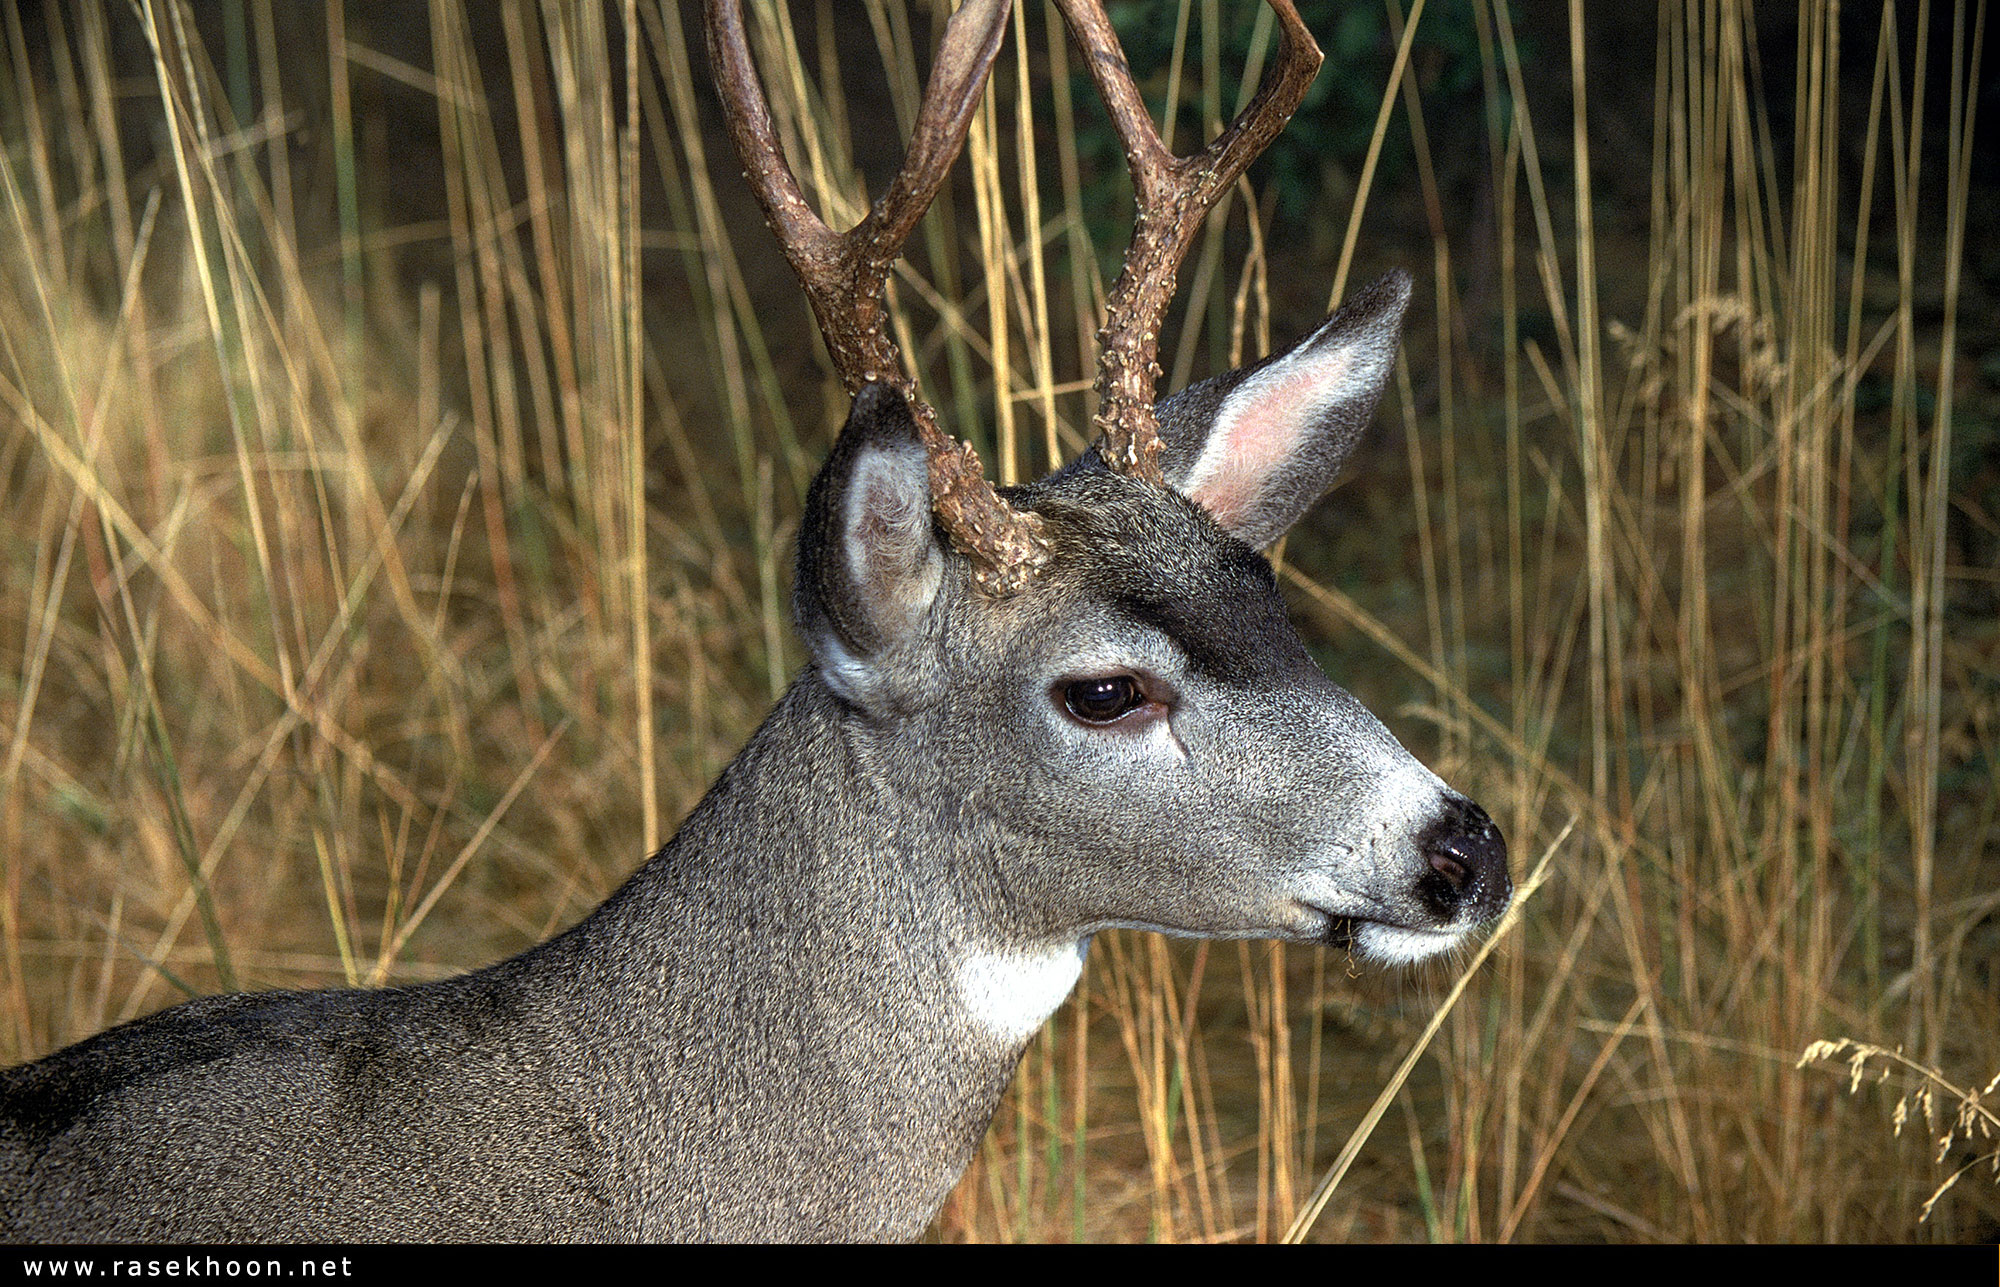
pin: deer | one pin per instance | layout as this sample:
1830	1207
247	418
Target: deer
1030	715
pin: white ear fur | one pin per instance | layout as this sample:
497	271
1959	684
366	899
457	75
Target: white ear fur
892	564
888	547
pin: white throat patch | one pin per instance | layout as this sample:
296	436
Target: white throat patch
1012	992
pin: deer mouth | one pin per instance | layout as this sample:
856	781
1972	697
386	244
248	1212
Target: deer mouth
1340	931
1382	940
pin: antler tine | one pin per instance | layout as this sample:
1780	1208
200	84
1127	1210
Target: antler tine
1174	194
845	274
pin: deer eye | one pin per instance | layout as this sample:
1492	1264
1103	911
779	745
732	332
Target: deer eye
1104	699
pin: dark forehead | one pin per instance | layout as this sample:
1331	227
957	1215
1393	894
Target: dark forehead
1156	558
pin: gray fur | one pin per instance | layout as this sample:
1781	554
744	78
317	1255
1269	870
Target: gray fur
795	1021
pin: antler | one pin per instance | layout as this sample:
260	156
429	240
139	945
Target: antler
1174	195
845	274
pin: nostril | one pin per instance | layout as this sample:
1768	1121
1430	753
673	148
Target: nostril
1465	862
1449	867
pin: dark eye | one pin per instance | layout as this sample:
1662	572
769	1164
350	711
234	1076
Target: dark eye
1101	701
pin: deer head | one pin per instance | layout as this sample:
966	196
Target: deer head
1099	662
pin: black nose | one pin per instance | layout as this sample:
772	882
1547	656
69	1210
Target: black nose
1466	863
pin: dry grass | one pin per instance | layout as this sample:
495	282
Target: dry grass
379	588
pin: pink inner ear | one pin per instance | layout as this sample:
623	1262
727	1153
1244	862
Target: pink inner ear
1260	426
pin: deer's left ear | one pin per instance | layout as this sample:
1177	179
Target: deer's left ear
1257	446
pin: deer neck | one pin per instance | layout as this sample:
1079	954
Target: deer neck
823	956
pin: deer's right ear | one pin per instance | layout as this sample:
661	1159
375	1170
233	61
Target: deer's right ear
869	559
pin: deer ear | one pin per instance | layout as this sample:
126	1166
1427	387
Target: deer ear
869	561
1257	446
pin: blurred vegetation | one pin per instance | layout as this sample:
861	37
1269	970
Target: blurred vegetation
1333	127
